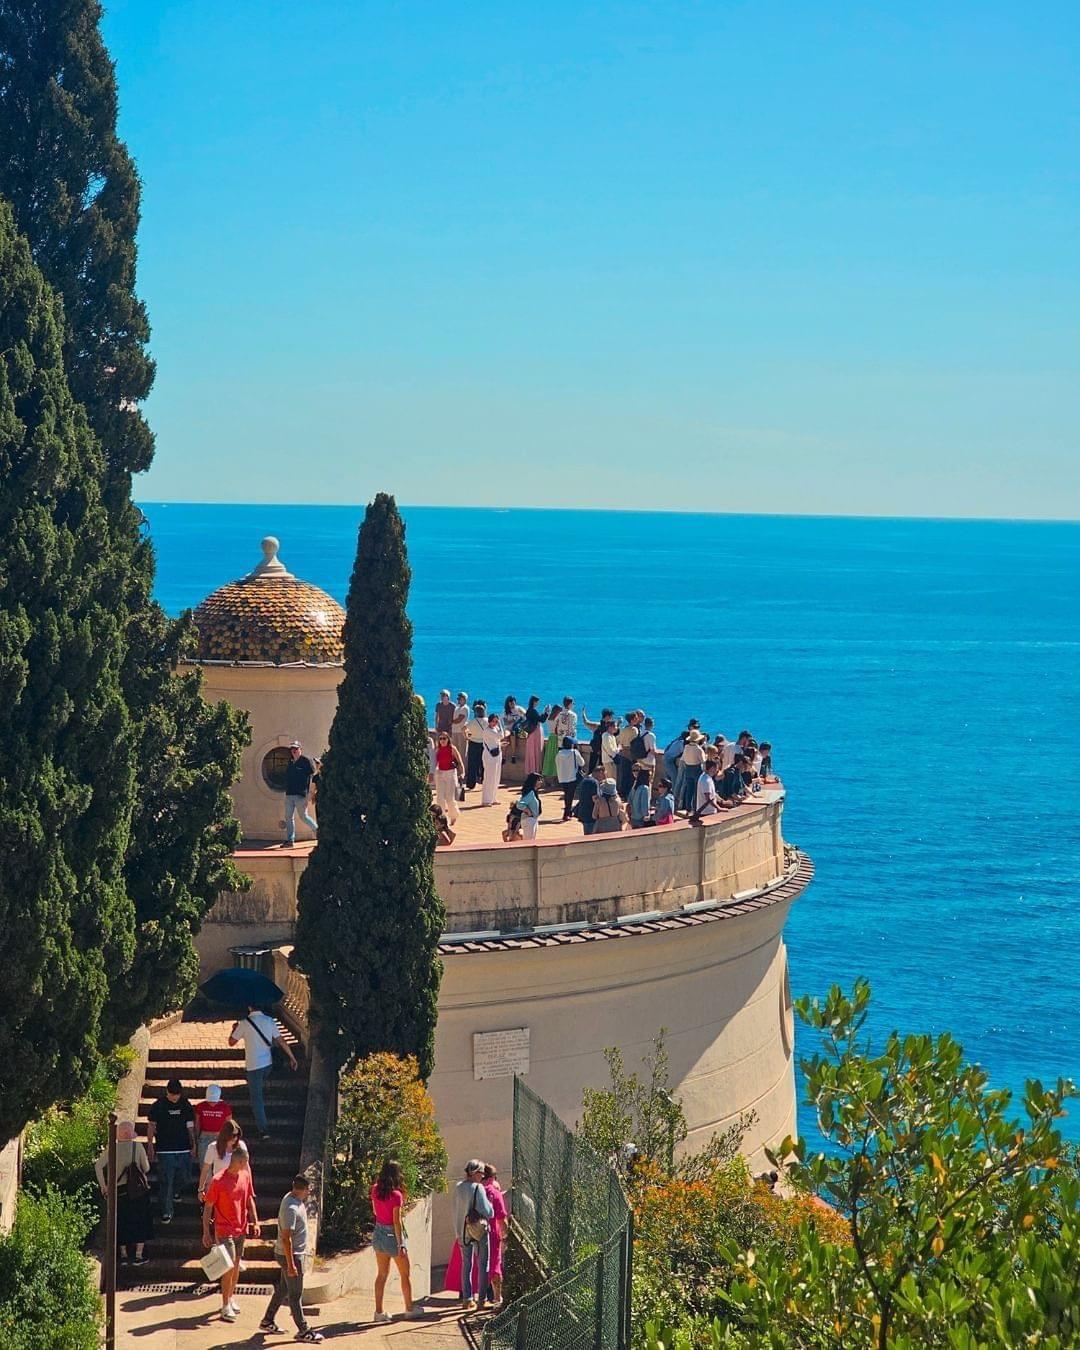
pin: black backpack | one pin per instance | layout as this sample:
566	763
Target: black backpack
637	749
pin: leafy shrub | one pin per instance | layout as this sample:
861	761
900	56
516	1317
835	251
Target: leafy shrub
47	1295
384	1111
962	1218
60	1148
694	1216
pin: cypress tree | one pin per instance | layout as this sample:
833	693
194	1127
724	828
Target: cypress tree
66	783
370	917
75	194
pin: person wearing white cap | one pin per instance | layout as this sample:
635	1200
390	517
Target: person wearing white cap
298	775
210	1115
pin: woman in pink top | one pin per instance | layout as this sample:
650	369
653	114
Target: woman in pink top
388	1240
496	1232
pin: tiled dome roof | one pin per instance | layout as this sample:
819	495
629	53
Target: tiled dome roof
270	616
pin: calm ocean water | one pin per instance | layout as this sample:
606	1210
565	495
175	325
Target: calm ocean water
918	680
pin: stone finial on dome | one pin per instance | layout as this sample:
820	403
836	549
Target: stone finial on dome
271	565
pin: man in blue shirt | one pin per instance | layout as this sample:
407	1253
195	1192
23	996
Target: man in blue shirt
586	795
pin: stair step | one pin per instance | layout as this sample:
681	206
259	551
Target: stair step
187	1054
204	1072
170	1271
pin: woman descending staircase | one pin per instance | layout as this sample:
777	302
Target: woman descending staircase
197	1053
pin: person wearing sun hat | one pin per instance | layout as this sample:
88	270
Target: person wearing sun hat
608	809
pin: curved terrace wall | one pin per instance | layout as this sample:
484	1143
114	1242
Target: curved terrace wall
600	877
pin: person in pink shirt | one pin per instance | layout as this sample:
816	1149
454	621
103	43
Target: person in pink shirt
388	1240
496	1233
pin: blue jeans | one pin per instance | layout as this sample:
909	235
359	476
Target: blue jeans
171	1166
691	773
255	1079
292	805
480	1249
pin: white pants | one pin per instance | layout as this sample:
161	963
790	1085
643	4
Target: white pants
492	774
528	827
446	792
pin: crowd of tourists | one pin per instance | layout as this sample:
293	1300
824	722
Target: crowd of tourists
617	779
202	1146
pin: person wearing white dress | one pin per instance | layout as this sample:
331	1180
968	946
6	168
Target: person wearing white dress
493	741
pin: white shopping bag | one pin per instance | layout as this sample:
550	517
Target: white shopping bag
216	1262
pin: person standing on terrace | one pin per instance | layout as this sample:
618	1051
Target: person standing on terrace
528	805
534	735
474	735
513	719
298	775
641	800
690	769
705	796
566	722
568	767
458	721
596	748
444	713
493	757
449	771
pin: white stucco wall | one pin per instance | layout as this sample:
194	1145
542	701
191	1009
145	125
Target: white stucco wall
718	988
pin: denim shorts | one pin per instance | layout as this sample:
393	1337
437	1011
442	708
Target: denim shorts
384	1239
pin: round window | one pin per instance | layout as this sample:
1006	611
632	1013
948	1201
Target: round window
274	764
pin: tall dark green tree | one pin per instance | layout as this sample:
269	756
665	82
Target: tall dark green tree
370	917
75	194
66	780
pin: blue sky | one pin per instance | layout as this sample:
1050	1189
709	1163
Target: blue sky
719	256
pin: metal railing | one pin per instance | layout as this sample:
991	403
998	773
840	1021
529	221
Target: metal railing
571	1214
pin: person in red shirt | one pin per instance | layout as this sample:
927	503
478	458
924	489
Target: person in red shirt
230	1207
210	1115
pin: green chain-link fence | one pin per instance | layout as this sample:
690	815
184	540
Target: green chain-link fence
570	1212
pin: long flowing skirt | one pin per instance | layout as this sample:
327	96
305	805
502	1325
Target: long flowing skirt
551	749
534	750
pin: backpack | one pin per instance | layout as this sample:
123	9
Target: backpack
637	749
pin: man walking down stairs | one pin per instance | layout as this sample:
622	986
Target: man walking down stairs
198	1053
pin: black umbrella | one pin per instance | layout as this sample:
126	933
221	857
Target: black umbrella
242	988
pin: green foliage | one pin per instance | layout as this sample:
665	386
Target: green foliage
75	194
60	1148
47	1295
66	790
963	1226
384	1111
644	1112
369	916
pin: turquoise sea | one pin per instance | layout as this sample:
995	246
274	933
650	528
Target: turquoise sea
918	680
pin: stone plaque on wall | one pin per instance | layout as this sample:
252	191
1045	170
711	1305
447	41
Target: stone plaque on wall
500	1054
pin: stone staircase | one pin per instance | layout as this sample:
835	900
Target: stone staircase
197	1052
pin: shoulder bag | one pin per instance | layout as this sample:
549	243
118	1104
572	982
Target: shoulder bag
476	1226
277	1057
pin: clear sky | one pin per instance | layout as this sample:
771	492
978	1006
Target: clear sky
808	257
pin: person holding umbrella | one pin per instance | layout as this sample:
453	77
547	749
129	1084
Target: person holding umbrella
251	989
259	1033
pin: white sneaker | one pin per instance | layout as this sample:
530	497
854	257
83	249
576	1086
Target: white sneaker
234	1306
381	1319
227	1313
